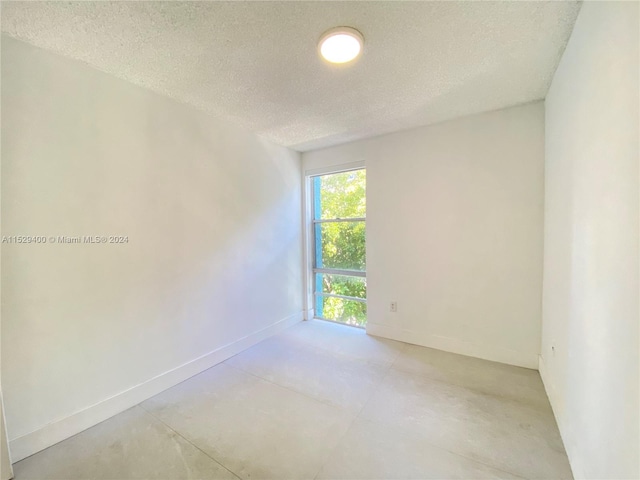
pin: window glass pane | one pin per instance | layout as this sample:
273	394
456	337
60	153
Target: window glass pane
340	195
341	285
340	245
350	312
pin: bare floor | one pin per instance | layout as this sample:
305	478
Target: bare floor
326	401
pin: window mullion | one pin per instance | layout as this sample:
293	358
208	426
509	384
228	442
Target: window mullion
337	220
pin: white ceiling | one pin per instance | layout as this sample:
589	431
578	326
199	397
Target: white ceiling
256	63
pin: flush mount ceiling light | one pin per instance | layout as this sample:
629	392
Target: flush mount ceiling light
341	44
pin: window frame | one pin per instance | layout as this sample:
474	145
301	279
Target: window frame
310	240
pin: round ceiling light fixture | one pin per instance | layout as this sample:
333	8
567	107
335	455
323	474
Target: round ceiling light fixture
341	44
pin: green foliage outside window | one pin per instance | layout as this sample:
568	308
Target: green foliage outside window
341	245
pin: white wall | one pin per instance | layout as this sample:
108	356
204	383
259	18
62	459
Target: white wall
212	214
454	232
590	315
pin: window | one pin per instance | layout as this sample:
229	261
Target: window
339	267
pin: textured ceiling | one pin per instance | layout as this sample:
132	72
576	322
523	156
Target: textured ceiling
255	63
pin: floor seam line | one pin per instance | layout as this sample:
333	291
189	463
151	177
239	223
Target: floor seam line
353	420
190	442
323	402
346	355
375	390
330	453
440	447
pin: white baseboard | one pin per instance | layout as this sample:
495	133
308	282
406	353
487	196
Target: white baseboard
552	394
501	355
6	472
75	423
542	368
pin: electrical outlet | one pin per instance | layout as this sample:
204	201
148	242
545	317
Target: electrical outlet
393	307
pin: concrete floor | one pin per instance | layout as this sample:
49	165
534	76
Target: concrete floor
326	401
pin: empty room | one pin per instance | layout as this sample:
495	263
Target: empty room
298	240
